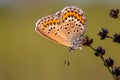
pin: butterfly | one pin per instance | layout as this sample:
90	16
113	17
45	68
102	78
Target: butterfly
65	27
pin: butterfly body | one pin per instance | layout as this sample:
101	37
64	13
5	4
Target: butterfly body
65	27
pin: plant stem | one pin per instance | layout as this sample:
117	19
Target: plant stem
109	37
104	61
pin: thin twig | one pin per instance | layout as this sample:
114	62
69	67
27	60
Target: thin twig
109	37
103	62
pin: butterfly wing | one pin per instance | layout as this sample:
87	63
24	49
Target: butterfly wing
65	27
74	25
50	27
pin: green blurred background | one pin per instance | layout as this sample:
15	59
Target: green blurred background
25	55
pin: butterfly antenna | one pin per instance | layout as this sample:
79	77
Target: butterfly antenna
67	61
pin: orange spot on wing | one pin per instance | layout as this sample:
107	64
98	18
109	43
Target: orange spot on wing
44	25
75	15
